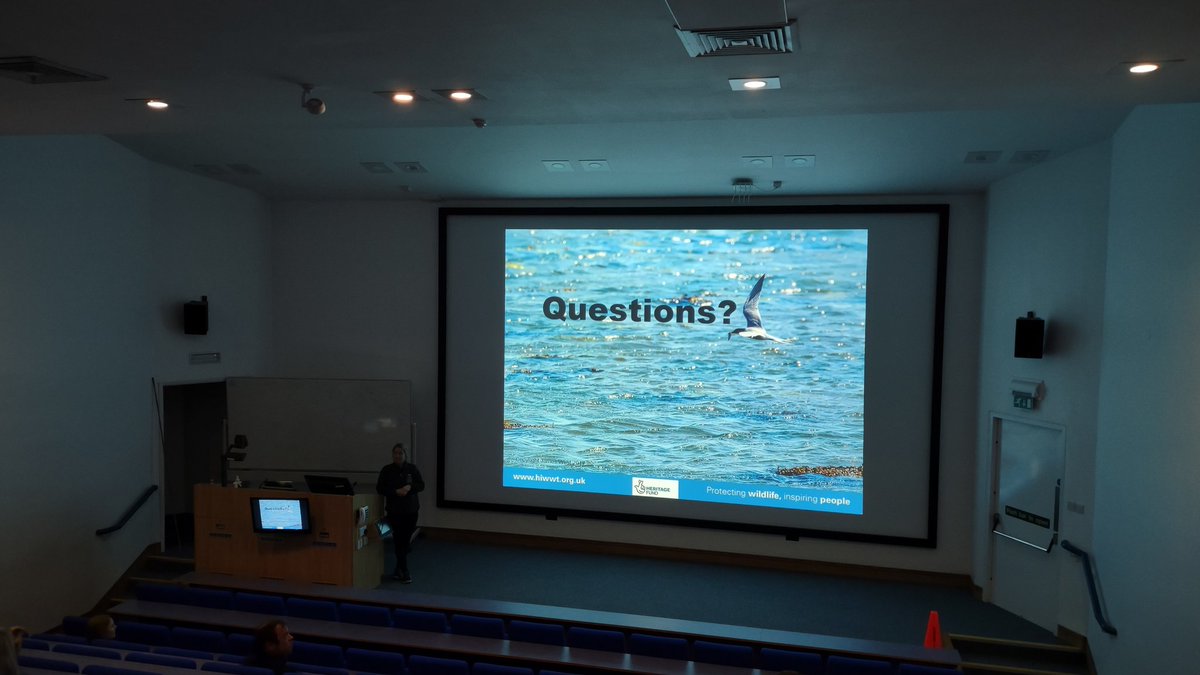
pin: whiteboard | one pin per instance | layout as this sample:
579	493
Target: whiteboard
316	426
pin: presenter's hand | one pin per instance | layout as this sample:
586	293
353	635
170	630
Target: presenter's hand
404	490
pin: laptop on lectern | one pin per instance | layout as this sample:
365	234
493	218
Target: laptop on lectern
329	485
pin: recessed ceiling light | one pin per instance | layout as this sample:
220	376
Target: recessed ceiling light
460	95
753	83
156	104
1142	68
404	97
557	165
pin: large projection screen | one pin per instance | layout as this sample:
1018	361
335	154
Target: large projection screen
770	369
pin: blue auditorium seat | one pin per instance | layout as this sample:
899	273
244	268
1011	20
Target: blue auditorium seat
28	661
235	668
160	660
95	669
493	669
374	661
659	646
318	654
143	633
432	665
240	644
478	626
805	663
59	637
259	604
596	638
847	665
31	643
738	656
368	615
417	619
916	669
199	639
319	670
533	631
198	654
212	598
167	593
312	609
122	644
87	650
75	625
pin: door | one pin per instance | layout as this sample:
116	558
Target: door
1027	479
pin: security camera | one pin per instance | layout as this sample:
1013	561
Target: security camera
314	106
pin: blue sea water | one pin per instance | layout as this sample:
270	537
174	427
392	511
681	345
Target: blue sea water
680	398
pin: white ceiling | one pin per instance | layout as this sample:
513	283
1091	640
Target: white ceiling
889	95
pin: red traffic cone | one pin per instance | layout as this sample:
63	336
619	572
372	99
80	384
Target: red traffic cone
933	632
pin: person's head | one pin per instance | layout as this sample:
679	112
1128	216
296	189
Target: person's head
19	633
399	456
101	627
8	654
273	640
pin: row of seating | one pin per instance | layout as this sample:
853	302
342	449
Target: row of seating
493	627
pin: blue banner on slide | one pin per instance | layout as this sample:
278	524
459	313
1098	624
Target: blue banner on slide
777	496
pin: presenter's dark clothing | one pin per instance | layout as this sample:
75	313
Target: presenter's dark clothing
401	510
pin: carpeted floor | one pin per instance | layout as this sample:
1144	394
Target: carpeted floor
807	603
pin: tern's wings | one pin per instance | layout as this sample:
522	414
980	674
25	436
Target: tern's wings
750	309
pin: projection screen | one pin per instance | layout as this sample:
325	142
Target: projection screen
770	369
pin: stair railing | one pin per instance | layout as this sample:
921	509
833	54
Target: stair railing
1091	584
129	512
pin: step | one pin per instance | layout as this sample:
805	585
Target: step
994	655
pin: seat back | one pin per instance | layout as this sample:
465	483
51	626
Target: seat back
805	663
236	669
659	645
143	633
199	639
738	656
318	654
533	631
259	603
312	609
478	626
432	665
848	665
160	660
374	661
418	619
46	663
368	615
596	638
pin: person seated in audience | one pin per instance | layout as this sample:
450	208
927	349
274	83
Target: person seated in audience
8	654
272	646
19	633
101	627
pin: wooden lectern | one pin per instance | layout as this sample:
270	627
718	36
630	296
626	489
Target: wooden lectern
342	548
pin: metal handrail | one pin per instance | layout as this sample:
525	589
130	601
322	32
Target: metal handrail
1091	584
128	513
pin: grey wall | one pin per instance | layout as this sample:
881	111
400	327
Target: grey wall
1147	455
97	249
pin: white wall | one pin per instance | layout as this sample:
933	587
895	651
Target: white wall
355	295
1147	545
84	327
1045	252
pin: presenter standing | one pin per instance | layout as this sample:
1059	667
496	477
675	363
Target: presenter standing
400	482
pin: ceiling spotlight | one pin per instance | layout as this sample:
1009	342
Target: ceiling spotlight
753	83
460	95
156	104
314	106
404	97
1143	68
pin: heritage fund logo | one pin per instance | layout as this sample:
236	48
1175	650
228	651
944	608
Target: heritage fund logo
656	487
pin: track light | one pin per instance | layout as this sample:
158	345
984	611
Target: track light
314	106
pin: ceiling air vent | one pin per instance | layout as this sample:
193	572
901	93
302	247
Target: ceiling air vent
738	41
34	70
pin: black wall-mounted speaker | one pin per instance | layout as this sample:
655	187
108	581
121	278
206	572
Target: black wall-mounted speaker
1031	336
195	316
